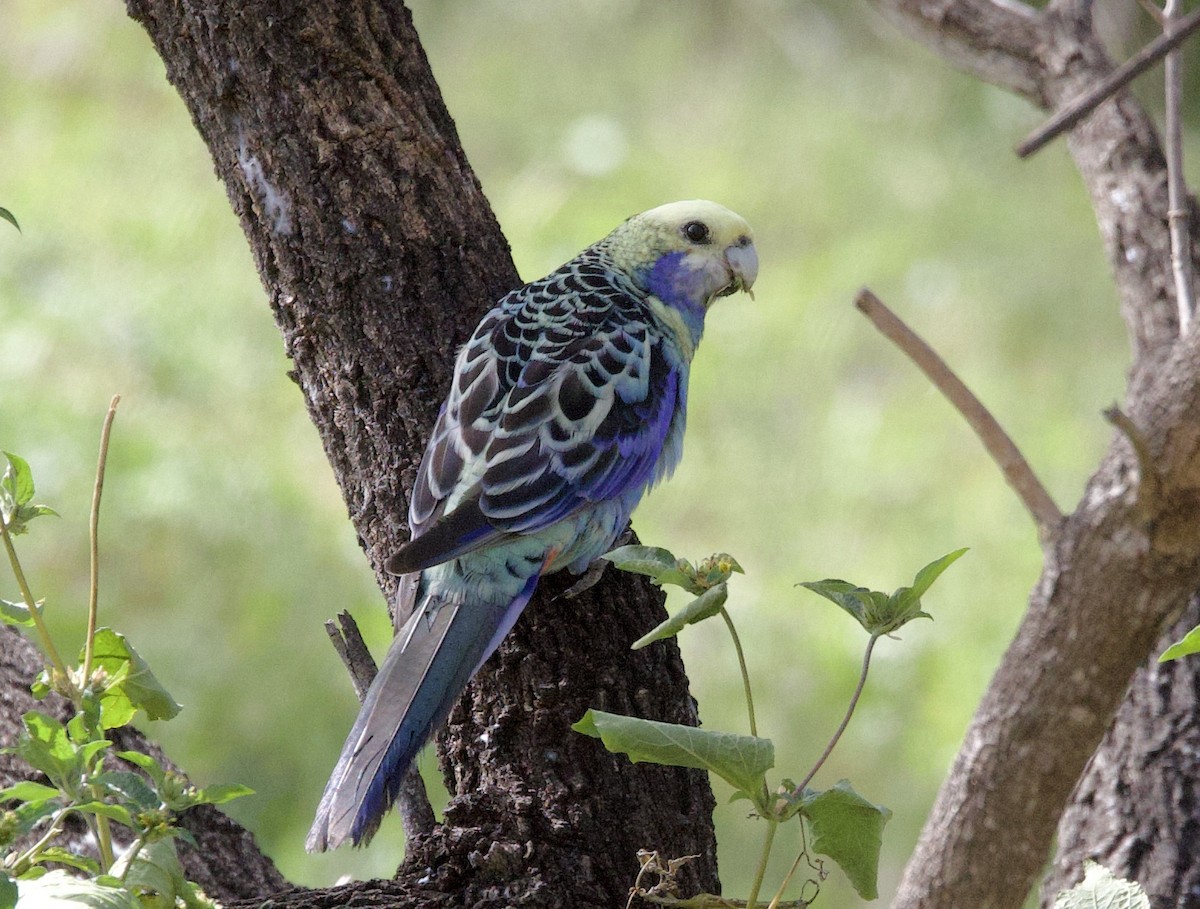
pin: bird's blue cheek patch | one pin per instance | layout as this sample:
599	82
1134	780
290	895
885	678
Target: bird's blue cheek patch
673	282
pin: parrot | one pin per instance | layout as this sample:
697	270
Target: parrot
566	405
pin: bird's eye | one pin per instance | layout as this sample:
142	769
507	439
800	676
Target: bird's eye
696	231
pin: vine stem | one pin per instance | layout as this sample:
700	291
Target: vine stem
786	880
761	871
129	857
862	681
775	902
94	540
25	861
737	645
52	654
741	656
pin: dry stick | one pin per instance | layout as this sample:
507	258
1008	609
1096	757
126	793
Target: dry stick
1177	204
1113	82
348	641
1155	12
1012	463
416	814
1150	487
94	541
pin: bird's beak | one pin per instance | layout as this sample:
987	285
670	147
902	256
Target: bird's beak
742	261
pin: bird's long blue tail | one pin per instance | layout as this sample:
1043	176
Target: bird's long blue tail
426	668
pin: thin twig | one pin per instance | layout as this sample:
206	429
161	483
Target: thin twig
1004	452
741	658
1177	204
1149	484
348	641
1076	110
94	539
1154	11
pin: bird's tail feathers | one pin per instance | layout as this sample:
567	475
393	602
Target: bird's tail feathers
442	644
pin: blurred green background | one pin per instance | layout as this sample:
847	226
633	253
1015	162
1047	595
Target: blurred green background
814	449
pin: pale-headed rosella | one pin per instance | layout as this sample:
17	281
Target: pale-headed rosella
567	404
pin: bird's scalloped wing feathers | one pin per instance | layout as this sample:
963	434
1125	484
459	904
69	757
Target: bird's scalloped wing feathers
563	397
601	420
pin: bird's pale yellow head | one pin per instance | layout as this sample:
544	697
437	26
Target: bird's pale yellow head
687	253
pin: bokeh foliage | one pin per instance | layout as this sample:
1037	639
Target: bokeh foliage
813	450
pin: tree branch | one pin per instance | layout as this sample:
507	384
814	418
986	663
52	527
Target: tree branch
1113	578
1115	573
1076	110
996	441
995	40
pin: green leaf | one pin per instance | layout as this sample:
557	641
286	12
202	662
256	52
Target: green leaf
656	563
15	614
59	890
117	813
40	686
878	612
27	512
742	761
860	602
16	491
131	787
1189	645
848	829
29	815
8	892
62	856
222	793
905	604
44	745
8	216
647	560
18	479
28	791
703	607
134	687
89	750
1100	889
931	572
145	761
155	868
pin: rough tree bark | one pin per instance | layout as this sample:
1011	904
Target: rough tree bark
379	253
1137	808
1123	564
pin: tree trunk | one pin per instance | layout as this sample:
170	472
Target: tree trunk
1137	808
379	253
1118	568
